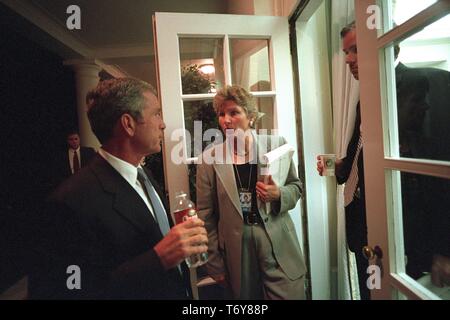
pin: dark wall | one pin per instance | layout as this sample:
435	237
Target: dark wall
38	105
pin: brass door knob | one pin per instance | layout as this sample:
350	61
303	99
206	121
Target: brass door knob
370	253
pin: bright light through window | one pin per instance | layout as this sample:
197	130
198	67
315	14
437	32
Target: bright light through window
406	9
207	69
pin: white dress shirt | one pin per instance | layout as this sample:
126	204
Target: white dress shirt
129	173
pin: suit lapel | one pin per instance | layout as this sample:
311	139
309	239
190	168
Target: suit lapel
225	173
127	201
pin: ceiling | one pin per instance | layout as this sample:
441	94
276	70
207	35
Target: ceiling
112	23
116	32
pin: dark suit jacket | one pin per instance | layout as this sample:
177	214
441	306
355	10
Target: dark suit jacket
87	154
355	212
60	170
437	119
97	221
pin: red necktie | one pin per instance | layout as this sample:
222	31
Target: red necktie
76	162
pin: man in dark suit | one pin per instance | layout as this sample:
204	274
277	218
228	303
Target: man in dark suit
69	161
76	156
412	106
350	170
105	233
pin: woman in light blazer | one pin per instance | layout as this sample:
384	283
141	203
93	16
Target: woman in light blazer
252	252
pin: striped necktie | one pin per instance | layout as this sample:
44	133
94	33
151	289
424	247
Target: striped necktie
155	201
352	181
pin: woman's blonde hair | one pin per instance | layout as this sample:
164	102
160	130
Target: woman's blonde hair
241	97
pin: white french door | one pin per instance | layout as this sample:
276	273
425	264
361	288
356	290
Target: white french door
197	54
406	142
193	49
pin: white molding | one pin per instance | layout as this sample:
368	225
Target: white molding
41	19
198	96
426	42
411	288
50	25
440	169
309	10
113	70
127	51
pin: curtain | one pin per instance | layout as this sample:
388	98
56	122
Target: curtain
345	98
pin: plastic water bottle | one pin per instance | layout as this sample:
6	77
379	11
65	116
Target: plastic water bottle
185	209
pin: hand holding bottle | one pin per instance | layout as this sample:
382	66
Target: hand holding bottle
185	211
182	241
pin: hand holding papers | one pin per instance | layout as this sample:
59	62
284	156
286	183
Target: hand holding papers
276	164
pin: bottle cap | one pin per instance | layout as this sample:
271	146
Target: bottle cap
180	194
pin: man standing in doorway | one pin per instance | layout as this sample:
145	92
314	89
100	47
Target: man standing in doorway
350	170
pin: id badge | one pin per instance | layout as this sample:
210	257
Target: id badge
245	197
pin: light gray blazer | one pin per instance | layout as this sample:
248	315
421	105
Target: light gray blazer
219	206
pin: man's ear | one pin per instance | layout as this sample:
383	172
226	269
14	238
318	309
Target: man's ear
128	124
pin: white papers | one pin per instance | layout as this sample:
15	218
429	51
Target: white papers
277	163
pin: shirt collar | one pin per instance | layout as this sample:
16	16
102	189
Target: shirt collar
72	151
126	170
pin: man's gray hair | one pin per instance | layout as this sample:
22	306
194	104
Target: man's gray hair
351	26
113	98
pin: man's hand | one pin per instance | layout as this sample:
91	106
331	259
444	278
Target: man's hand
319	166
268	192
440	271
182	241
338	165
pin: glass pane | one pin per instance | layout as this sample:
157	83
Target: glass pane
425	204
250	64
265	107
422	80
199	116
201	65
403	10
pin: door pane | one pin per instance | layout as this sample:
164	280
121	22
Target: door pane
403	10
423	93
250	67
265	106
199	116
425	204
201	64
